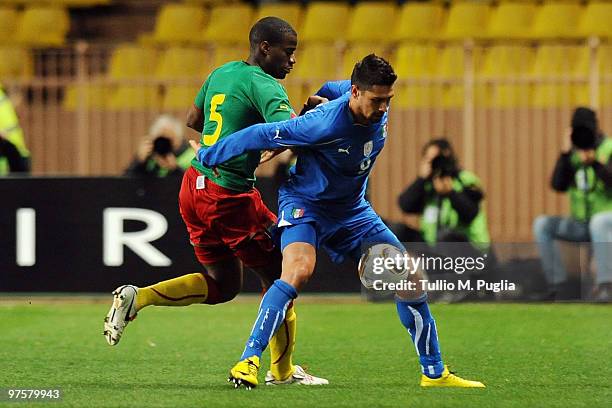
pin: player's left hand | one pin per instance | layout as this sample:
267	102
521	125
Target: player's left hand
267	155
196	148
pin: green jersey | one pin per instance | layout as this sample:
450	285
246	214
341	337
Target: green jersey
235	96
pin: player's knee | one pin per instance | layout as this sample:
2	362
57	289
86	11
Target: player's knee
298	270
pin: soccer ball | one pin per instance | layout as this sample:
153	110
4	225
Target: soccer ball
384	263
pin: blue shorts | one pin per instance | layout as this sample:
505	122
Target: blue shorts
341	231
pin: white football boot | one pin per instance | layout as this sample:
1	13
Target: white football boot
121	313
299	376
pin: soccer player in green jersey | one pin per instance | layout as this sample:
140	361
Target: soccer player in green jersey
227	221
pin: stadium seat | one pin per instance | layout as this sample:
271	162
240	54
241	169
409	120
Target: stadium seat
467	20
9	18
551	61
91	95
43	26
182	62
179	23
416	62
596	19
317	62
134	97
325	21
371	21
179	96
290	12
503	62
419	21
228	24
221	55
452	67
556	20
356	51
15	62
132	61
582	68
511	20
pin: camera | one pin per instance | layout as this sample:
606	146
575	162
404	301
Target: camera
583	138
444	166
162	145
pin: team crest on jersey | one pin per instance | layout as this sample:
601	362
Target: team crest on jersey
297	213
384	131
367	148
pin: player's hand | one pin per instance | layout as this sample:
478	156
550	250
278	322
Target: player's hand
267	155
443	185
196	148
145	148
316	100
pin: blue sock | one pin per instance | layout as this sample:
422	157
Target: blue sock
270	316
417	319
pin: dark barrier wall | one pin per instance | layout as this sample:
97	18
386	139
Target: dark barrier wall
94	234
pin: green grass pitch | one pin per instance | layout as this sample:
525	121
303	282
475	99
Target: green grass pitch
549	355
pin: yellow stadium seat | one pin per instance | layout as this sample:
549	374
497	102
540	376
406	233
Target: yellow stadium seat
222	55
131	61
452	67
179	96
179	23
467	20
582	68
556	20
596	19
290	12
82	3
511	20
182	62
553	61
9	17
15	62
371	21
229	24
317	62
504	62
419	21
325	21
134	97
92	96
415	62
43	26
357	51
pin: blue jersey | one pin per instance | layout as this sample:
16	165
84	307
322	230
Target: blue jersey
335	154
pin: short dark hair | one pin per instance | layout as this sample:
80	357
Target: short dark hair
441	143
372	70
270	29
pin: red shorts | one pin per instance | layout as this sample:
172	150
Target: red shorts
224	223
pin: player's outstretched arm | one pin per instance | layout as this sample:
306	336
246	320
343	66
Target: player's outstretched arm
302	131
334	89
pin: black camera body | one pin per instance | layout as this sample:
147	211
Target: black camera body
444	166
583	138
162	145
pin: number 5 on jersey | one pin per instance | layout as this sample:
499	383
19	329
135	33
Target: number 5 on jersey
215	116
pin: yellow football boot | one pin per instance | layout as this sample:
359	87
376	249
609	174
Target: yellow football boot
448	379
245	373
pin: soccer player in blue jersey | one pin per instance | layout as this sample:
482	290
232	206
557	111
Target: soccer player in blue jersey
323	205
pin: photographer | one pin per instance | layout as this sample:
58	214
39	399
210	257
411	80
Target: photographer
584	171
447	198
14	156
164	153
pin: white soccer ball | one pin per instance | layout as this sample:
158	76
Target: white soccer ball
384	263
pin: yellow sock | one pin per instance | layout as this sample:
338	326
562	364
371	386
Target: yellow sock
281	346
182	291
